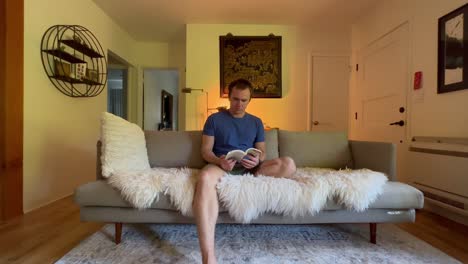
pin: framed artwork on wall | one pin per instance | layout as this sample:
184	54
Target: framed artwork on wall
254	58
452	68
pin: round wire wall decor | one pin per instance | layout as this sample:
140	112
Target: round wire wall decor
74	60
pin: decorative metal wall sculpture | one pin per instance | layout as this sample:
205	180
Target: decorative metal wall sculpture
74	60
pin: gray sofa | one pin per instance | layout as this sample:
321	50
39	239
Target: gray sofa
101	203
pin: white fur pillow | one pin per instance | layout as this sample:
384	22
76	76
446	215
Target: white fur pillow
123	146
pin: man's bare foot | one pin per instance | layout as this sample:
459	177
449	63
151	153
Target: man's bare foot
211	259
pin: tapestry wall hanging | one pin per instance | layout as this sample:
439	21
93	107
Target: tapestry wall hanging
255	58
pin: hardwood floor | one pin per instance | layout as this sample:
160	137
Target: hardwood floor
46	234
442	233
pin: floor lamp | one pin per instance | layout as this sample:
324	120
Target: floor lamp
189	90
219	108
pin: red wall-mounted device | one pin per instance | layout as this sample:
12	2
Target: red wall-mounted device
417	80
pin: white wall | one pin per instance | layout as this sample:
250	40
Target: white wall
437	115
289	112
155	81
442	115
319	41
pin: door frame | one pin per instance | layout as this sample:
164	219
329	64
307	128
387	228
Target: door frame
409	83
310	87
114	61
11	108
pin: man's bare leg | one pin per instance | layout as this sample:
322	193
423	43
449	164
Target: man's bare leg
279	167
205	210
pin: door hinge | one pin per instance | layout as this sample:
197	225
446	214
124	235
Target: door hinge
357	67
355	115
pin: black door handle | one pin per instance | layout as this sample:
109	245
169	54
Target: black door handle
399	123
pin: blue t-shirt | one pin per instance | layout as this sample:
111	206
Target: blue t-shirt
233	133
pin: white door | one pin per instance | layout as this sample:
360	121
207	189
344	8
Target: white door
380	109
330	78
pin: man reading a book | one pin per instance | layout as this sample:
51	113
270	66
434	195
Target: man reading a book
225	131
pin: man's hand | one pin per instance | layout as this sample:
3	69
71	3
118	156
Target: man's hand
225	164
250	161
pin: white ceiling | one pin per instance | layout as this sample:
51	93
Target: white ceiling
162	20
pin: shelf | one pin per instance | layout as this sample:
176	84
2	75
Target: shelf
73	80
64	56
63	49
90	82
81	48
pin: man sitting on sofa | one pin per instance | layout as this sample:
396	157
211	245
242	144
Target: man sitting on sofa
223	132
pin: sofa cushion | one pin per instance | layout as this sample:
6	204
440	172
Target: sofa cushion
123	146
99	193
395	195
182	148
174	148
316	149
271	142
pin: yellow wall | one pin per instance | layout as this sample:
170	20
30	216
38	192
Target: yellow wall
289	112
60	132
147	55
151	54
203	73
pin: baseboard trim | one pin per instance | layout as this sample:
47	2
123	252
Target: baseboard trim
439	208
29	210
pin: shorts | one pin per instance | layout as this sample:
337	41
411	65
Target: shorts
240	170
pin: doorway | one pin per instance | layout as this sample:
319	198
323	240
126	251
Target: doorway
382	82
117	85
329	93
117	91
160	99
379	108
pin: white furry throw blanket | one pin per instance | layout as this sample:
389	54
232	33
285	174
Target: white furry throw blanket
247	197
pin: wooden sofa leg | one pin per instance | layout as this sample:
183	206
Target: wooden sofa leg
373	233
118	232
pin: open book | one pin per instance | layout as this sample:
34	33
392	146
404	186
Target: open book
239	154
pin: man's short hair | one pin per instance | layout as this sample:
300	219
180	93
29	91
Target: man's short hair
240	84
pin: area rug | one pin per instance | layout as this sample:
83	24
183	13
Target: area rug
269	244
